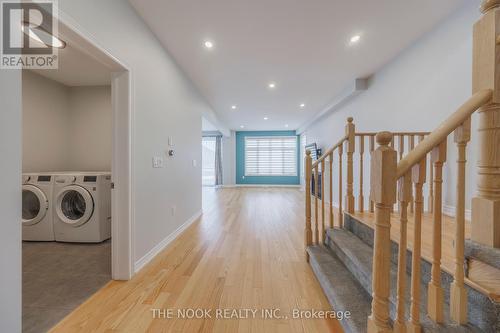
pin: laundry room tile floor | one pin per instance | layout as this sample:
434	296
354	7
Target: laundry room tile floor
57	277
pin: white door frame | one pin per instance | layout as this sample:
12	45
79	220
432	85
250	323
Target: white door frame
122	200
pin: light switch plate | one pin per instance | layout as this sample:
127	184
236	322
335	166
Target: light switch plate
157	162
170	141
195	163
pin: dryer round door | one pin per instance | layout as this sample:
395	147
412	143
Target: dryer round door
74	205
35	205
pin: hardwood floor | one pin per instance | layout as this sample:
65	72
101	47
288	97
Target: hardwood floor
245	252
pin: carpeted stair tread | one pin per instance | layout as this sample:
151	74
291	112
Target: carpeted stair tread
357	256
342	290
483	253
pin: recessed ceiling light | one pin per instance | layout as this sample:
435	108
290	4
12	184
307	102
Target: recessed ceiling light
265	118
209	44
233	107
354	39
272	85
302	105
242	126
286	125
42	36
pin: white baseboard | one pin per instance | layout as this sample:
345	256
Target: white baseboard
450	211
139	264
259	185
265	185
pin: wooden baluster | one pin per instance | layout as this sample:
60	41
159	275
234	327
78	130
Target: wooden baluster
404	198
458	294
421	137
435	298
401	146
418	177
316	213
383	190
341	214
308	232
361	202
322	191
351	146
430	201
372	148
411	142
331	190
392	146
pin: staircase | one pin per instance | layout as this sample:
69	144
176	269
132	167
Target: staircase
404	266
343	266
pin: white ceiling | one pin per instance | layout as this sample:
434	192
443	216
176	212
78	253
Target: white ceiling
77	68
300	45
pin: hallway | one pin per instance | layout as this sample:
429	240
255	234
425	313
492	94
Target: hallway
245	253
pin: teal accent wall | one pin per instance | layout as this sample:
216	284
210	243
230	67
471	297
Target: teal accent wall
263	180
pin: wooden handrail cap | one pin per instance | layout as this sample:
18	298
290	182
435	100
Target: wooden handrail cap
487	5
384	138
350	119
308	152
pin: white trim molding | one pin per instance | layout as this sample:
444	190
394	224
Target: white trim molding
139	264
450	211
266	185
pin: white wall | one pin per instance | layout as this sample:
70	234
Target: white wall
415	92
45	119
90	129
65	128
10	200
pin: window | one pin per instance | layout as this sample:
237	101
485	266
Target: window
271	156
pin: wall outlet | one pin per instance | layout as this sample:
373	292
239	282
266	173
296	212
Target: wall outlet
157	162
173	210
195	163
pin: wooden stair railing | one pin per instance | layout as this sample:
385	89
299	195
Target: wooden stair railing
390	177
319	190
317	203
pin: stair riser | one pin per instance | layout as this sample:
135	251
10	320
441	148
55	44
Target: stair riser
341	289
363	279
482	312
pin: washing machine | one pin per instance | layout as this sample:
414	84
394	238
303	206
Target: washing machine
82	207
37	196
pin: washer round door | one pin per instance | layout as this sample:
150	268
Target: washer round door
35	205
74	205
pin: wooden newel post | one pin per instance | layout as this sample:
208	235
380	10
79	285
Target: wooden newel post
486	75
308	230
383	192
351	146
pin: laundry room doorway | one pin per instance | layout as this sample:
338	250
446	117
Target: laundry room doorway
77	178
